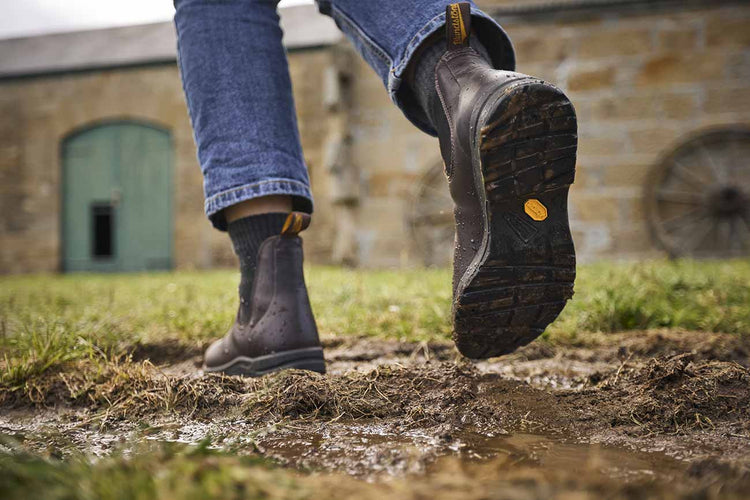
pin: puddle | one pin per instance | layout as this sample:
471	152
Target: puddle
368	451
630	411
553	454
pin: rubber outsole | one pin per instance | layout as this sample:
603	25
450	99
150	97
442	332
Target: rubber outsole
310	359
524	149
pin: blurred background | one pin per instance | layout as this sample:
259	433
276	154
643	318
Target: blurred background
660	87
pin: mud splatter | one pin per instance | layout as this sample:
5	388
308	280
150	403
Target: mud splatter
645	409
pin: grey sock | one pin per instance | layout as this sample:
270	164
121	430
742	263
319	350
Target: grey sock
423	84
247	235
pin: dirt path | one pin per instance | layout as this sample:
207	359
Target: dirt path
664	412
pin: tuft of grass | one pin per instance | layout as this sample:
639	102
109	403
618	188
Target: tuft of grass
47	321
40	346
165	470
711	296
408	305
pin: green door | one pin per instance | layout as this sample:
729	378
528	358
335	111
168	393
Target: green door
117	199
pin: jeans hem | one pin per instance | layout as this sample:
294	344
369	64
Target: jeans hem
300	192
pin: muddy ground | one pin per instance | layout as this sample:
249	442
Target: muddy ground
629	415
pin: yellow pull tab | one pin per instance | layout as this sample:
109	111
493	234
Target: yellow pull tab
295	223
457	25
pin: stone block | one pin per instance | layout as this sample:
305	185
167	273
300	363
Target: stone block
678	37
635	239
594	207
622	106
601	145
727	100
626	174
653	140
726	32
550	47
591	78
679	106
670	69
613	41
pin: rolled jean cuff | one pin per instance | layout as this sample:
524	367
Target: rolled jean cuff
300	193
487	30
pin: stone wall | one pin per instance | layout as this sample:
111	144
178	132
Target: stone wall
641	82
37	114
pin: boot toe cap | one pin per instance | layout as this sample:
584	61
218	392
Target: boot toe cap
218	353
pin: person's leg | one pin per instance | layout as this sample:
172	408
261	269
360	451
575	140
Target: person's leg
239	95
237	86
391	35
508	142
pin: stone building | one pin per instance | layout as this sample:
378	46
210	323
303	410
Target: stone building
98	167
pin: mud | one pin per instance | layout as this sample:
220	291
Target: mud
659	411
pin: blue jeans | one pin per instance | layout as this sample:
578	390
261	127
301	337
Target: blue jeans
236	81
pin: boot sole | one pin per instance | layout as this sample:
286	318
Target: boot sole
524	150
310	359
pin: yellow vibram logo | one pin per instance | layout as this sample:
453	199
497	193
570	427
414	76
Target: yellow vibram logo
535	209
457	25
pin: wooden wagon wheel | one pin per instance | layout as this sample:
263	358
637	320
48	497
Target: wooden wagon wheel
698	198
430	220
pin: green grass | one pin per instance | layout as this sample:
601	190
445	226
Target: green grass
63	324
48	320
703	296
165	470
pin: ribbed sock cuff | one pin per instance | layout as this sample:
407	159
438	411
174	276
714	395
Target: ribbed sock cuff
423	85
248	233
247	236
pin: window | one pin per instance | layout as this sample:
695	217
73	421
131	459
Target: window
103	230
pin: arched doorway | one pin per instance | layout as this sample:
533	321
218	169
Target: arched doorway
117	198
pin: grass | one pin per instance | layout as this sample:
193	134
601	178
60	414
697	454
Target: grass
166	470
46	321
703	296
80	328
169	471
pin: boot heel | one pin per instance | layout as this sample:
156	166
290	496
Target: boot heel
310	358
313	365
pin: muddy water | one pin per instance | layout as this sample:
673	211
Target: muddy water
550	453
366	451
662	409
513	451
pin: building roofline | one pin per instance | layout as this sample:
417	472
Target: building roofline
551	7
138	45
304	29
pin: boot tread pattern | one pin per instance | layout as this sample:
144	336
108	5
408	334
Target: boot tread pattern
527	150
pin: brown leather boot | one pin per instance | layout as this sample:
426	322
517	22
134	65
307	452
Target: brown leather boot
281	331
509	145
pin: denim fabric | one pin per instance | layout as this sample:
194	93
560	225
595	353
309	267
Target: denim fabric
387	34
237	86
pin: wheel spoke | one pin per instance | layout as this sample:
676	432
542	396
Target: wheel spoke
719	175
724	235
735	244
743	231
679	197
698	237
687	175
678	221
443	195
701	202
736	158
